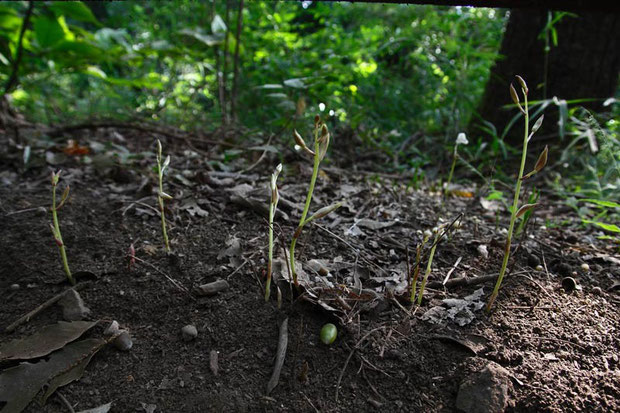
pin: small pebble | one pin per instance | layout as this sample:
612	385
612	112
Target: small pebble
533	261
563	269
189	332
123	342
539	267
585	267
483	251
597	291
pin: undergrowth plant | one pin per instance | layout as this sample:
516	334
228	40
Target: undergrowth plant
273	205
161	195
56	227
320	145
416	269
461	139
540	164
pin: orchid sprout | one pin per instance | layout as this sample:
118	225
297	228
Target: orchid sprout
321	143
56	227
161	195
540	164
273	205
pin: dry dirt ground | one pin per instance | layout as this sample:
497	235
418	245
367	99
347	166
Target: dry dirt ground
542	348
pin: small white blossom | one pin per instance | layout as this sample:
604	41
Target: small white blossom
461	139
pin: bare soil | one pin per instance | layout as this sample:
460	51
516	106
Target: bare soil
560	348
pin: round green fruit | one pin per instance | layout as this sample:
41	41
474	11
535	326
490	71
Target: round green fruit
329	333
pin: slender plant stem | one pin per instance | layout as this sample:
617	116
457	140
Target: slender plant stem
270	253
302	221
428	266
416	271
513	215
160	199
451	171
58	236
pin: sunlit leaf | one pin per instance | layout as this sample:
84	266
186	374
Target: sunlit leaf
48	31
73	9
603	225
603	203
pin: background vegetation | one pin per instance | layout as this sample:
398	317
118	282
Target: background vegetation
387	72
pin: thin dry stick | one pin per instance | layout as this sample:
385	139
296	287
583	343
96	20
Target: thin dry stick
44	306
172	280
280	354
366	260
346	363
65	401
445	280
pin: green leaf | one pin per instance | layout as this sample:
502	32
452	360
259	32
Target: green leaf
606	227
600	202
79	49
75	10
48	32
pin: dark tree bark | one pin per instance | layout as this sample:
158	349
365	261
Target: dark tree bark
584	64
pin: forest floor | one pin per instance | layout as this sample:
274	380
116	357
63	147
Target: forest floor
541	349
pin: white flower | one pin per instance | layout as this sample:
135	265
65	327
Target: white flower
461	139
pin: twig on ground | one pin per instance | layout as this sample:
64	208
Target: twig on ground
280	355
169	278
355	348
245	261
445	280
366	260
44	306
64	400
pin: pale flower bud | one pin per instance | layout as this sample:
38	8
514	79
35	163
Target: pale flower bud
461	139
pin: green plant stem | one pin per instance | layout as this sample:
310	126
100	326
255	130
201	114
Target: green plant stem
451	171
163	223
416	271
161	207
428	267
302	221
58	236
270	253
513	215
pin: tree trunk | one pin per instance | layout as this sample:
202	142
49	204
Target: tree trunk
584	64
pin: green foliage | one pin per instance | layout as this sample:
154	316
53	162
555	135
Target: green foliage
384	67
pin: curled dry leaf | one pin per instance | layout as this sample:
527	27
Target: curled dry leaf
525	208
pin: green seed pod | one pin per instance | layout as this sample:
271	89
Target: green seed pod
329	332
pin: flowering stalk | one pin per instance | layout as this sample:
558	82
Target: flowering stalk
321	143
273	205
460	139
540	164
161	195
56	227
